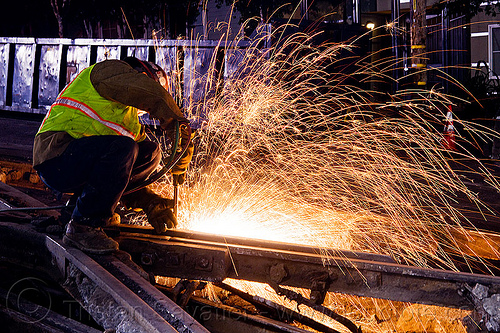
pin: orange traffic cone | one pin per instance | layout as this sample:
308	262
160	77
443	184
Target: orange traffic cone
449	131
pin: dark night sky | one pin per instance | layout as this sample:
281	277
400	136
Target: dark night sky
27	18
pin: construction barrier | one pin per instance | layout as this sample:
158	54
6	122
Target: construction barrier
34	70
449	131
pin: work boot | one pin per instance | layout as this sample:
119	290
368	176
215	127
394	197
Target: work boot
89	239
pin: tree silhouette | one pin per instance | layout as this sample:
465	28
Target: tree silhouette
469	8
261	9
130	18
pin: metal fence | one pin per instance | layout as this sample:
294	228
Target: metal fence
33	71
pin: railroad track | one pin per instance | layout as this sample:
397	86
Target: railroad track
117	290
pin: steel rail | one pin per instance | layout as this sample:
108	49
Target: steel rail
198	256
194	237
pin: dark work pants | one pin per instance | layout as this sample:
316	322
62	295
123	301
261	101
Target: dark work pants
99	169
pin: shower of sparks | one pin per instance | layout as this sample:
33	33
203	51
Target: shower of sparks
295	147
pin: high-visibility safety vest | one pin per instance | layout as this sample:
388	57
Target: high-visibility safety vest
80	111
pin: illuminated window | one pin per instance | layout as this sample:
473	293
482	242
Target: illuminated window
494	50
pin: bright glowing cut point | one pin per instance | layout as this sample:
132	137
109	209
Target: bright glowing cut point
235	224
264	212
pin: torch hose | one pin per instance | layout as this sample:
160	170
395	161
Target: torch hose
168	163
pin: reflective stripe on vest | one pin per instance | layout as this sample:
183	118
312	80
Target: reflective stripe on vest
76	105
81	111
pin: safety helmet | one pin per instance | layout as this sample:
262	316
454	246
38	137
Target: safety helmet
149	68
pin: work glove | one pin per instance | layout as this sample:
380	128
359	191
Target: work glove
180	168
157	209
160	215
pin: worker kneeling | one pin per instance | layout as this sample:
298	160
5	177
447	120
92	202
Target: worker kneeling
92	144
